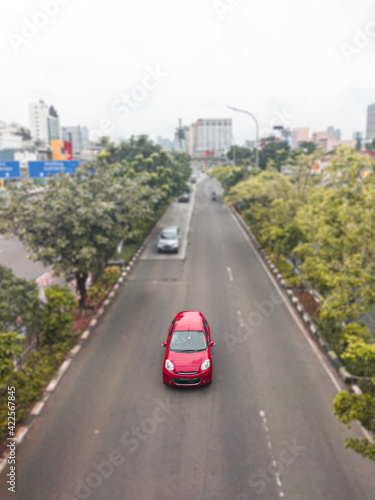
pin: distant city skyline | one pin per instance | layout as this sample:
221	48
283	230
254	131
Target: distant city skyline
248	135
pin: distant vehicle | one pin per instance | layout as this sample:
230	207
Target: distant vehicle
193	180
184	198
169	239
188	359
213	196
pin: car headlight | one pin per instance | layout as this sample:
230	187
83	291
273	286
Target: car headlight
169	365
206	364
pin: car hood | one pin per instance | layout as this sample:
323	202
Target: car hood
187	361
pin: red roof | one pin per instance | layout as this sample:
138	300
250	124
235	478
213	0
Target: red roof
189	321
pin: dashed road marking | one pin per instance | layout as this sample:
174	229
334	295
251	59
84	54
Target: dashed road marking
230	273
269	446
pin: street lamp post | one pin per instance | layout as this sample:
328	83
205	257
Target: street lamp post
257	132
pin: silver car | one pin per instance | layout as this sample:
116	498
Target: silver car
169	239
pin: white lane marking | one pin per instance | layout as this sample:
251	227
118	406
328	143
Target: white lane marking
296	318
230	273
269	445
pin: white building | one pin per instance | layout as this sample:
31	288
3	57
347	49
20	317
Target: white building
210	137
44	122
9	140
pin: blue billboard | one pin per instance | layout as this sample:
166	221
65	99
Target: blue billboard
40	169
10	170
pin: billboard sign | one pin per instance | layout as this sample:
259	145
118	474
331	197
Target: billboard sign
40	169
68	150
10	170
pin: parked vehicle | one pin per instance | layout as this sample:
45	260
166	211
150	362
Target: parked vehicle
169	239
213	196
184	198
188	359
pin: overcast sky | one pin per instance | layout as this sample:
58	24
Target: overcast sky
134	67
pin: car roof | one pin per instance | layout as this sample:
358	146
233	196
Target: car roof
189	321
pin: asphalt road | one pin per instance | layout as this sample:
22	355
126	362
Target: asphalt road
14	255
263	429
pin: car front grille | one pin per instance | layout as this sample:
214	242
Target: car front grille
187	381
187	373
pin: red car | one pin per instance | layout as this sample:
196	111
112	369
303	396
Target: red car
188	359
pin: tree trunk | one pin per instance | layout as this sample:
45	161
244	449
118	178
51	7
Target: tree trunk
81	287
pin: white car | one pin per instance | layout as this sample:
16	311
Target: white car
169	239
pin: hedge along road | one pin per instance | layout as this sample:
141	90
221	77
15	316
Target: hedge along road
263	429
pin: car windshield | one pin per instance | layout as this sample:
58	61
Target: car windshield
188	342
169	235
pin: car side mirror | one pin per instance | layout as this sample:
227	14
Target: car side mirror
164	344
212	343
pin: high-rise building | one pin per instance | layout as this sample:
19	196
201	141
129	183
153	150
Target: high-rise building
44	122
300	134
210	137
329	142
78	136
370	124
336	132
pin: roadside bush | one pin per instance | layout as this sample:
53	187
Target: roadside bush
100	289
285	269
9	349
58	313
111	275
31	380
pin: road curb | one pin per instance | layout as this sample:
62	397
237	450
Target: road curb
334	360
51	387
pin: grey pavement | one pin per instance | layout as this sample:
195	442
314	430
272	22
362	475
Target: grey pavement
14	255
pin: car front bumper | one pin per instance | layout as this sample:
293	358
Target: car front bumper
187	379
168	249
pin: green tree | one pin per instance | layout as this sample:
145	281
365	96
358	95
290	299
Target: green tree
229	175
180	135
350	407
240	153
277	151
58	313
338	224
19	303
76	223
307	147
